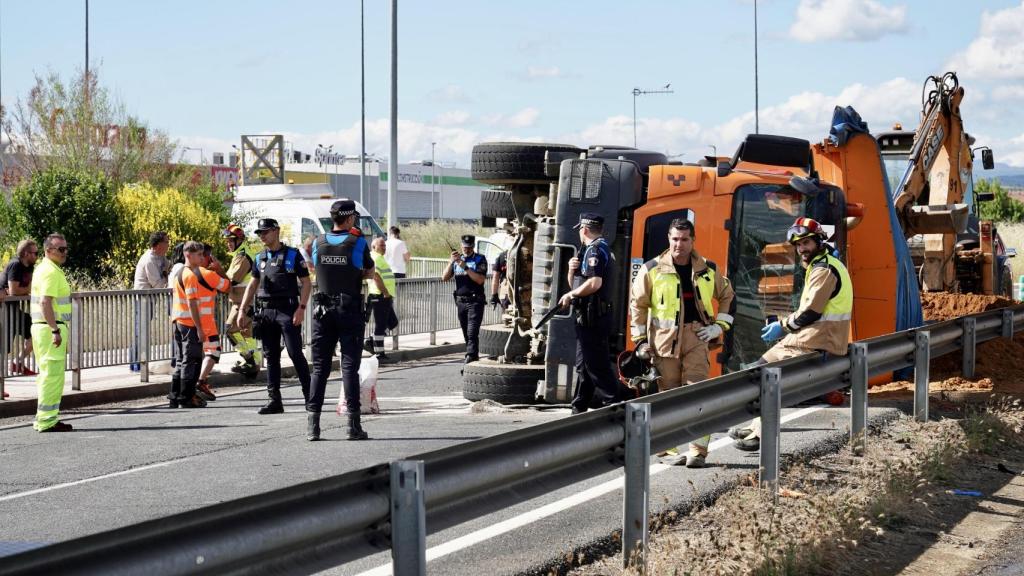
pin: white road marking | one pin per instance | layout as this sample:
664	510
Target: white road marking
553	508
87	480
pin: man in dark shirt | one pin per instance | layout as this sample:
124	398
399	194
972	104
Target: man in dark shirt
17	281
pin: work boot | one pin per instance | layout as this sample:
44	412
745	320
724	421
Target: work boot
274	405
748	444
59	427
312	426
204	391
739	433
694	460
355	431
195	402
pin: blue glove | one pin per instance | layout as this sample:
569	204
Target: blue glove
772	332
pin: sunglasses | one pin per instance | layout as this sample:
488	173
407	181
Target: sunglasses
62	249
264	232
796	231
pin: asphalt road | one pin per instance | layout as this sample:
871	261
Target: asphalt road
131	462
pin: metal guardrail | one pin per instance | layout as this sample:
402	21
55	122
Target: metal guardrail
104	325
312	526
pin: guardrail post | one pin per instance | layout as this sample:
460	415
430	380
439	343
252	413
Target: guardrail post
408	519
859	396
146	310
77	319
922	359
1008	323
636	493
970	339
771	416
434	285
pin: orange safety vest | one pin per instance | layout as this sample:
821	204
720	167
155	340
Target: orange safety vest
203	288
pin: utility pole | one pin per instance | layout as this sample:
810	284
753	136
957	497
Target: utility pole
86	86
757	124
393	160
362	117
433	178
639	92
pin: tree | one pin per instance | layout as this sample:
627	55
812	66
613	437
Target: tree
1001	208
78	205
78	127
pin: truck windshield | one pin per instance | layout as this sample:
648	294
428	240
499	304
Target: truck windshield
764	269
367	224
895	168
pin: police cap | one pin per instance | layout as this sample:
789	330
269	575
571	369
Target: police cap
265	224
590	220
468	240
343	207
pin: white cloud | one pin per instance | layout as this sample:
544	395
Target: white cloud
453	118
524	118
543	72
852	20
450	93
1011	92
998	51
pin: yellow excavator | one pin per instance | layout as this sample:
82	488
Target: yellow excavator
931	171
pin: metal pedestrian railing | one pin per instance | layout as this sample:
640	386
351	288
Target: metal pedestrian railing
118	327
309	527
420	267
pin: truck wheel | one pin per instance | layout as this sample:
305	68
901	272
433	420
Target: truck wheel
1006	284
493	340
503	383
497	204
515	162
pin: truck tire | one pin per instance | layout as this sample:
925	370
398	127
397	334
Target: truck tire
502	383
515	162
497	204
493	340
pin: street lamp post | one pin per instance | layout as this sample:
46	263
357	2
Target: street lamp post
639	92
202	155
433	179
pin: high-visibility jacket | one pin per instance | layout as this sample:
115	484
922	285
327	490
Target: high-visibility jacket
822	322
384	269
48	280
239	272
202	288
656	307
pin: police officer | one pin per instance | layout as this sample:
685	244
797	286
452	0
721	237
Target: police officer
278	272
343	261
470	272
595	381
821	324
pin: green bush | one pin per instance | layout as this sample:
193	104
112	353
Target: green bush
1002	208
435	239
142	210
77	204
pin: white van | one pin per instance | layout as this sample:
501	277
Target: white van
302	210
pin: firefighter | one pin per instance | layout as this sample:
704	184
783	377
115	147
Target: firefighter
240	274
469	269
821	324
673	319
381	302
596	383
51	317
343	261
281	288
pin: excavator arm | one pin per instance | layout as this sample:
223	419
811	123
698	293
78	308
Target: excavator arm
939	162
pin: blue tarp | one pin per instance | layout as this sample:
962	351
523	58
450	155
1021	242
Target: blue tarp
846	123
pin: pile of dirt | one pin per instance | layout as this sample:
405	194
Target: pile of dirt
947	305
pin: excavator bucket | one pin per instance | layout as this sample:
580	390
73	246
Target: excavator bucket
937	219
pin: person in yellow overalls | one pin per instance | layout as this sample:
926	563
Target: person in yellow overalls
239	274
381	301
51	319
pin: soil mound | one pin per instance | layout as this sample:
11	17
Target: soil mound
947	305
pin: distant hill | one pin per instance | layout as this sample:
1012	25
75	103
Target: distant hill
1006	174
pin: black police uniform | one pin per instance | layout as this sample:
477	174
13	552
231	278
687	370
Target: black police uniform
340	258
470	299
276	302
596	383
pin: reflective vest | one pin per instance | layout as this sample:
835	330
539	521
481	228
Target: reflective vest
840	307
49	280
244	251
666	301
203	288
384	269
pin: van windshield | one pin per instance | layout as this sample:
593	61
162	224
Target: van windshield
367	224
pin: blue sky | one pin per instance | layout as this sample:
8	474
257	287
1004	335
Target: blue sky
562	71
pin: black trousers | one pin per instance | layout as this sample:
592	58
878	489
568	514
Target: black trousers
275	323
333	329
471	316
382	311
596	383
188	356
